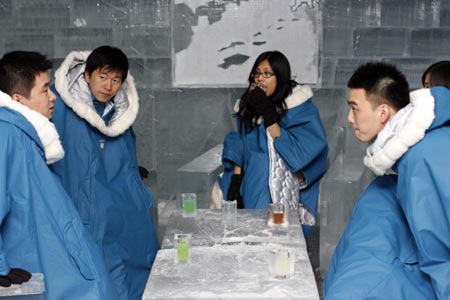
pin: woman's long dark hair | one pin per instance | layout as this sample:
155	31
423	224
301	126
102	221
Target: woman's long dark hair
439	74
282	70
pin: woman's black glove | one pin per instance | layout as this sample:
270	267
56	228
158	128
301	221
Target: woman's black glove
234	191
263	106
15	276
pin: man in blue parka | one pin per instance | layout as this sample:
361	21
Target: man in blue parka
96	105
376	258
280	150
412	141
40	229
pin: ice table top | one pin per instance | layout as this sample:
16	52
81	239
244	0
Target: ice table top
35	286
207	229
230	261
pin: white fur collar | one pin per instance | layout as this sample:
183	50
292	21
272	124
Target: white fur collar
45	129
393	141
299	95
87	112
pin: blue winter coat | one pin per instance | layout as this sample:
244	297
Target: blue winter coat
419	152
40	229
100	172
302	146
376	257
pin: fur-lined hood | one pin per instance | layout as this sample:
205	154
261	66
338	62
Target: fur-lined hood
75	92
407	127
299	95
47	136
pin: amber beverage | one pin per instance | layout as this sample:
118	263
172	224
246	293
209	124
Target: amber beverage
278	217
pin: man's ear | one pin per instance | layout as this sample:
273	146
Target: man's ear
17	97
87	77
386	113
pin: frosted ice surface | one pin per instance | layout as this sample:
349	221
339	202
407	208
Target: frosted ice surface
208	229
230	261
33	289
228	272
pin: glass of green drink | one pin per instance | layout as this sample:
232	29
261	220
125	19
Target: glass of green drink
182	245
189	202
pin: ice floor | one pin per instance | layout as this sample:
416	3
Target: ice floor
165	208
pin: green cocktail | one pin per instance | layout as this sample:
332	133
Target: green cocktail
183	251
189	206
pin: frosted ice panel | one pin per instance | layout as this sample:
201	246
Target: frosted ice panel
34	289
208	229
81	39
430	42
406	13
352	13
188	123
340	189
229	272
151	13
199	175
158	73
328	69
345	68
29	40
148	42
44	16
336	41
379	41
413	69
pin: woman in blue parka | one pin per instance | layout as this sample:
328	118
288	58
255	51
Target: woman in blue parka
40	230
279	153
97	104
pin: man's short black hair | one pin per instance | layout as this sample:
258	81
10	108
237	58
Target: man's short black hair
108	57
383	83
18	71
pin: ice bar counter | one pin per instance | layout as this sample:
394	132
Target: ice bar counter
231	260
34	289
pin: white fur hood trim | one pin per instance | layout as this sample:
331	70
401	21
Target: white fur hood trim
300	94
418	121
85	111
45	129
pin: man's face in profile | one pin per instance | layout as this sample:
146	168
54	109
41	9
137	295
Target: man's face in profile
41	97
365	120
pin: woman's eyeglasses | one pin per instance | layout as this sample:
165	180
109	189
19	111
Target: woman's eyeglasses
264	74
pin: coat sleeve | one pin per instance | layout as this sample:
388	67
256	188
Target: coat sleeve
233	151
7	161
233	154
423	190
302	144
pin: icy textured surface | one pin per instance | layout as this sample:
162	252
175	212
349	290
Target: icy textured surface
34	289
207	229
228	272
198	176
230	261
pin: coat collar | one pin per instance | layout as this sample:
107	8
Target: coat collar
404	130
46	131
73	66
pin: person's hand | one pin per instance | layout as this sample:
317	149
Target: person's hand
143	172
263	106
15	276
234	191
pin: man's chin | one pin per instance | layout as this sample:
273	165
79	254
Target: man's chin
361	137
